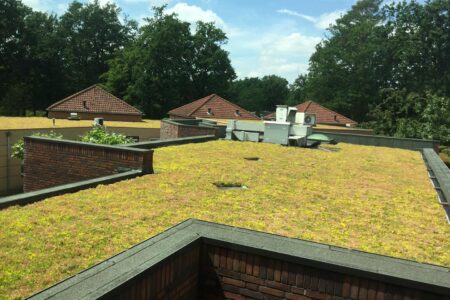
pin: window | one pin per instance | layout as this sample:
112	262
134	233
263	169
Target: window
210	113
237	113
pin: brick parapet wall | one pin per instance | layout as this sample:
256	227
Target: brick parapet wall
230	274
51	162
172	131
175	278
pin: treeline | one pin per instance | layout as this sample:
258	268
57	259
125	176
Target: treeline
156	67
386	66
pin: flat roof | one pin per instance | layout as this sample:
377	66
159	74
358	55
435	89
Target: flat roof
373	199
10	123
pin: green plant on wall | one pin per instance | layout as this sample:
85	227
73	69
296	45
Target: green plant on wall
18	147
98	135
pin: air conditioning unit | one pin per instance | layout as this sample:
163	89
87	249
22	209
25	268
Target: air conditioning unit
305	118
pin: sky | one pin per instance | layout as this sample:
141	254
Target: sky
264	36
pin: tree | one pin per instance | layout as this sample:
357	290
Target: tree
347	69
259	94
297	90
168	66
211	69
92	34
30	64
413	115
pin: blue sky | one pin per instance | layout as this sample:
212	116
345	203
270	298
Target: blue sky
265	36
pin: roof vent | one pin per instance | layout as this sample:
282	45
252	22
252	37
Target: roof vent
85	105
210	113
237	113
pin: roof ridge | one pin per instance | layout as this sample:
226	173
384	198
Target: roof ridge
332	111
95	86
206	101
235	105
70	97
117	98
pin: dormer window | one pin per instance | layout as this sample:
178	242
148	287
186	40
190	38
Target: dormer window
210	113
237	113
85	104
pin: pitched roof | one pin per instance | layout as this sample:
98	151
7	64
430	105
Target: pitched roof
323	114
219	108
94	99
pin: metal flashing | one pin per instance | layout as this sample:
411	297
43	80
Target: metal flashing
34	196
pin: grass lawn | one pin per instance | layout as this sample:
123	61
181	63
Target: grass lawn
43	122
373	199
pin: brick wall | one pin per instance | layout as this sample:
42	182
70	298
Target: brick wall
50	162
174	278
172	131
229	274
91	116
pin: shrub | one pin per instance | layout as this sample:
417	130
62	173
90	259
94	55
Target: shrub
98	135
18	147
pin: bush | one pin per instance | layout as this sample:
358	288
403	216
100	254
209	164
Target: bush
18	147
98	135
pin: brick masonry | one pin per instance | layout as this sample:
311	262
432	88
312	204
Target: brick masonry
91	116
50	163
172	131
229	274
174	278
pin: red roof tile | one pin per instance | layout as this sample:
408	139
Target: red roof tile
94	99
323	114
219	108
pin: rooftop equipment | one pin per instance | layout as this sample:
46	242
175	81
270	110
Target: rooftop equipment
290	128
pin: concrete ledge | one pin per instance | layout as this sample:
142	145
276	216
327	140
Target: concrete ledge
383	141
440	177
30	197
171	142
115	272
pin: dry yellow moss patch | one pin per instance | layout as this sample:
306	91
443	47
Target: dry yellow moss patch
42	122
367	198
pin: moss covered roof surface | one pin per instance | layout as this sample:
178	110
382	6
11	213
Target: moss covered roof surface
43	122
373	199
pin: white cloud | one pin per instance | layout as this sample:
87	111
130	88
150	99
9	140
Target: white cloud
193	13
104	2
278	52
322	22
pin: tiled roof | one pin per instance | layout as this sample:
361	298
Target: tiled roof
94	99
218	107
323	114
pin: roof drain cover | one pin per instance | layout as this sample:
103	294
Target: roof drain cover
252	158
230	186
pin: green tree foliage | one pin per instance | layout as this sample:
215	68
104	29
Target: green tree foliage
392	61
297	90
346	69
168	65
405	114
44	58
92	34
259	94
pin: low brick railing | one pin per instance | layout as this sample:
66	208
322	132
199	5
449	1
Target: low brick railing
51	162
174	128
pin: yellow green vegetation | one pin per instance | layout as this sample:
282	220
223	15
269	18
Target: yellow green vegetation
42	122
373	199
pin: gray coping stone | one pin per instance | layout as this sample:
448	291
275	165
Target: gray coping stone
111	273
91	145
171	142
34	196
